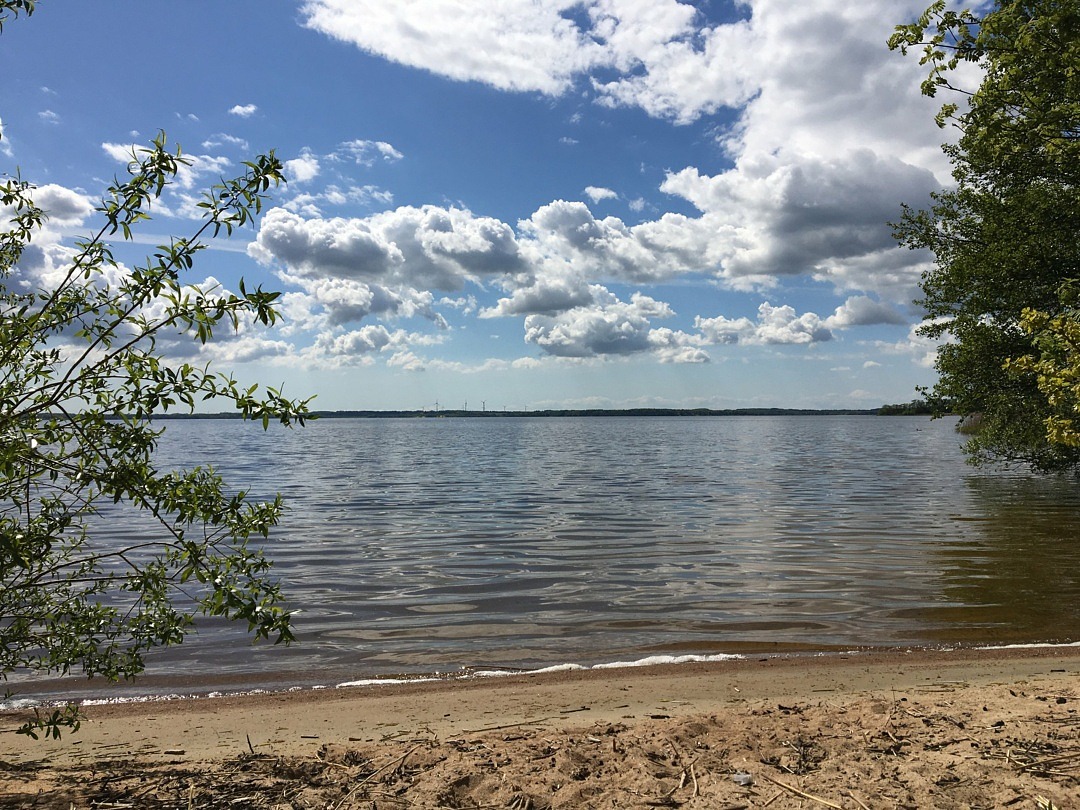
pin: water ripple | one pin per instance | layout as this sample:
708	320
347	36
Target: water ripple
416	545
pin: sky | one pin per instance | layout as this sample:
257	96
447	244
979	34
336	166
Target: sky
508	204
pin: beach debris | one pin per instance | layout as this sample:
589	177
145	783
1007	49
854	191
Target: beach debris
931	751
803	794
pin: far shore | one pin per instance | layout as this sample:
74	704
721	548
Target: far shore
447	413
928	723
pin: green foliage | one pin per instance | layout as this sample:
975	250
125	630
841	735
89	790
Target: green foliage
1055	364
82	374
1005	238
12	8
917	407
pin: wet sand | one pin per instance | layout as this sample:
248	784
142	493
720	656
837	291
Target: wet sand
922	728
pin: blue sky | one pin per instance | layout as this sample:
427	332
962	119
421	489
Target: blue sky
522	203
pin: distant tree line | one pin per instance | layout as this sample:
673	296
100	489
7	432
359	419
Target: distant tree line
907	409
918	407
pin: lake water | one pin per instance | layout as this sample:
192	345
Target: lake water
432	545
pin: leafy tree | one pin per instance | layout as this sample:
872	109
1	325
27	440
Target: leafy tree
1005	238
83	372
1056	367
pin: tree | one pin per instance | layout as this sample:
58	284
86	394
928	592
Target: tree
1005	238
82	376
1056	367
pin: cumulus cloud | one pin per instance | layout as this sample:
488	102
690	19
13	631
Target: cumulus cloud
188	175
303	168
610	327
598	193
384	265
828	141
919	348
569	233
774	326
243	110
784	215
366	153
49	117
426	248
222	138
825	145
663	56
545	296
64	206
669	62
5	141
361	341
244	349
515	45
861	310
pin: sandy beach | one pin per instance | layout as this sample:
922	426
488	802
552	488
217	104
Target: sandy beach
996	728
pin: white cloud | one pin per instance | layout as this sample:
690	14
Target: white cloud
49	117
243	110
774	326
221	138
518	45
663	56
567	233
63	206
670	346
302	169
829	138
245	349
784	215
598	193
921	349
863	311
5	141
188	175
425	248
406	361
670	63
545	296
333	303
311	204
610	327
366	153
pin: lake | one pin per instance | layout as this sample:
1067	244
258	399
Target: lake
432	545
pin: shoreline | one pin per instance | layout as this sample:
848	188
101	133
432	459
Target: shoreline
688	687
752	710
157	687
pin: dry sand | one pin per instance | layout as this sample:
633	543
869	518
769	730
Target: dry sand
971	729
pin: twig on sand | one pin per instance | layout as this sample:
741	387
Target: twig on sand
1038	765
397	762
803	794
856	799
534	722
